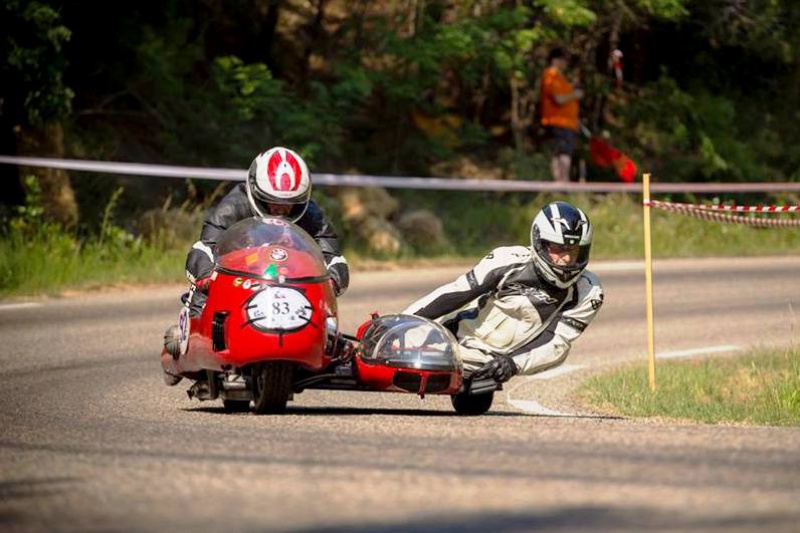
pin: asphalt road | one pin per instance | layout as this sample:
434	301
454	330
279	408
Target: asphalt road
92	441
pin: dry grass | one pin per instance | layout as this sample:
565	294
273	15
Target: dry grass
761	387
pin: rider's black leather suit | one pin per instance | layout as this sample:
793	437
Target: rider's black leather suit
235	207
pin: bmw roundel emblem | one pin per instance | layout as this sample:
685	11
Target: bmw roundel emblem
279	254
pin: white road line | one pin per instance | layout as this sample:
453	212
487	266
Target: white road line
699	351
532	407
23	305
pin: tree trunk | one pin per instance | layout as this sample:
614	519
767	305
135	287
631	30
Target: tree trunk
516	123
361	16
58	197
480	97
416	9
601	114
268	33
314	30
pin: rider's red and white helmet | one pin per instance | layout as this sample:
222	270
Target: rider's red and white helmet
279	177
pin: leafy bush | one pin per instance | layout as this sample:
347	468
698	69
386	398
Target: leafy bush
698	136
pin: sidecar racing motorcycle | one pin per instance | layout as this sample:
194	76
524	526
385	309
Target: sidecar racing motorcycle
269	329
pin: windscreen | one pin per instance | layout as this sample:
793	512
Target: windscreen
410	341
269	248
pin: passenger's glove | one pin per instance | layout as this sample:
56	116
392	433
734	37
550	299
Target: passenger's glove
346	349
501	369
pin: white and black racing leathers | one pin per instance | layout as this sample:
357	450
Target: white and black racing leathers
503	307
235	207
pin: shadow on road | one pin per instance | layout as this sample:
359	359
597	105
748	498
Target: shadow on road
34	488
502	411
576	519
352	411
711	472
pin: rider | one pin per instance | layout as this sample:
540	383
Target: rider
278	184
519	309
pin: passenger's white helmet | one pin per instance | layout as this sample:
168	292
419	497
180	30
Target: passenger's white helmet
560	223
279	176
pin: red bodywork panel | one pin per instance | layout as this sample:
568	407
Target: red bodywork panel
250	290
270	299
383	378
246	344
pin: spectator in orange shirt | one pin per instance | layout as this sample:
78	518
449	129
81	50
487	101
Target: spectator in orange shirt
559	112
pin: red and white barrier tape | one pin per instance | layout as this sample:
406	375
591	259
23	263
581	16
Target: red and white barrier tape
718	214
736	208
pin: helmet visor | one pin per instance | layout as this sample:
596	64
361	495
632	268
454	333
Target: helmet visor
565	258
562	254
286	211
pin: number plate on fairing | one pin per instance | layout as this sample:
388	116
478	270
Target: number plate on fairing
183	326
279	309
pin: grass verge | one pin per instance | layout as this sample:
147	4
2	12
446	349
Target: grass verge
37	257
49	263
761	387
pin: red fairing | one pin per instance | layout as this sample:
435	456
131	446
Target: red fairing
269	299
405	353
384	378
249	339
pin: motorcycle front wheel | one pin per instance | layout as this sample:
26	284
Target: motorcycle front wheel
272	386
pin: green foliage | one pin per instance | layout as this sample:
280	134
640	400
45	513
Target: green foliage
758	388
768	27
701	136
409	88
40	257
346	85
568	12
663	9
33	62
37	256
618	224
476	222
501	220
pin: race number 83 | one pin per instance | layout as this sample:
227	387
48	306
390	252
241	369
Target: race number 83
279	309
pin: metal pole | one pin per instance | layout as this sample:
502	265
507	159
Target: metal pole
648	271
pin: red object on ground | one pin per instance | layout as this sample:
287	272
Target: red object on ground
605	155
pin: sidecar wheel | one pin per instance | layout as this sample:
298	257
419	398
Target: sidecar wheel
236	406
467	404
272	386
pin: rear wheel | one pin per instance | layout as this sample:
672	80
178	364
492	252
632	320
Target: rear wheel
272	386
467	404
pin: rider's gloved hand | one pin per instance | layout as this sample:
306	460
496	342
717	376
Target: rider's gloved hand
335	287
501	369
199	262
346	350
340	275
203	283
